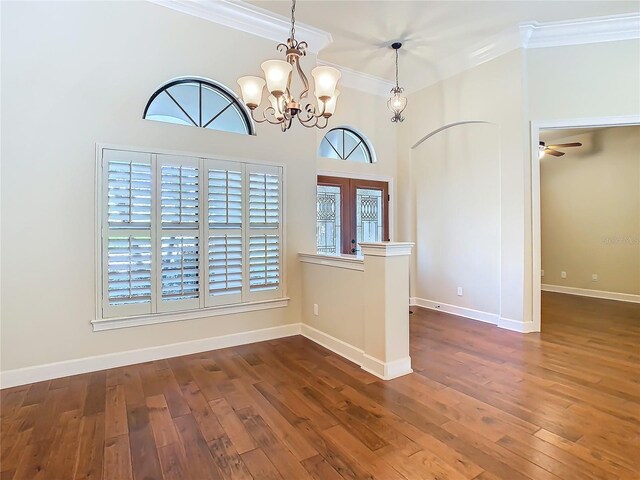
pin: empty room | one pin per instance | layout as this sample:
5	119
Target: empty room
330	240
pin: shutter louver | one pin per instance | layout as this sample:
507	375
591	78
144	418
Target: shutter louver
225	264
180	268
264	262
264	200
129	194
179	196
225	199
129	270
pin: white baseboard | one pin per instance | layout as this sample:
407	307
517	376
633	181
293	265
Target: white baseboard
584	292
455	310
383	370
517	325
22	376
39	373
492	318
334	344
388	370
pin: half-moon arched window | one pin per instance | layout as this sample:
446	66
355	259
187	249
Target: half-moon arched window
344	143
199	103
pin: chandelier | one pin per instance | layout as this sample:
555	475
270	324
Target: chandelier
397	103
284	106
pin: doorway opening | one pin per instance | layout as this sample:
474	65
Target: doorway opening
586	214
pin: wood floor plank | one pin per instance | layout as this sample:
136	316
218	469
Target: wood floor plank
483	404
117	459
260	466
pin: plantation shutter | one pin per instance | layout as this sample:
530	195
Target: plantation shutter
224	232
127	248
263	252
178	242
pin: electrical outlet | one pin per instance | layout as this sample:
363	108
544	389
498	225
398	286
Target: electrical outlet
315	309
563	274
594	277
459	291
542	273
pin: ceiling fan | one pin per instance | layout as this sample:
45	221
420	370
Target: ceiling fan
552	149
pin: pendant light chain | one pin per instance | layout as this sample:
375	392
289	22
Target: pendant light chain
293	20
397	84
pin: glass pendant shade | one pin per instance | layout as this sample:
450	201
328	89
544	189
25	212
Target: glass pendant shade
251	89
277	73
330	105
397	103
277	110
326	79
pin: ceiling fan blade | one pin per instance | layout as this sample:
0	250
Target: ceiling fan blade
564	145
554	153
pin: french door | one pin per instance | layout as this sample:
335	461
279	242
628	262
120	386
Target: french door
350	211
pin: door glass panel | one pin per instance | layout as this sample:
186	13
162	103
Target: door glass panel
369	219
328	220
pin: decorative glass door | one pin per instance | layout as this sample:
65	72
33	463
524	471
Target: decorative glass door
350	211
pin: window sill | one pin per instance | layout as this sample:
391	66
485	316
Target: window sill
155	318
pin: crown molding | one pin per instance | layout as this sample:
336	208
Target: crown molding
580	31
250	19
361	81
488	49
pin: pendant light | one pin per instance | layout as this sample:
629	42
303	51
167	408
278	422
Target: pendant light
397	103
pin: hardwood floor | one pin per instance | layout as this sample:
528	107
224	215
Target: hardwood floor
483	404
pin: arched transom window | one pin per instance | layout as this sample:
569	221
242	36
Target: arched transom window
199	103
344	143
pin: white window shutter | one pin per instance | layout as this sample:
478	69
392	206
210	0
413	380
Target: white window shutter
224	232
181	233
264	239
127	248
179	246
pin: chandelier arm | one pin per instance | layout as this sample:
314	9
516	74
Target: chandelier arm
257	120
265	118
305	81
309	123
309	110
326	122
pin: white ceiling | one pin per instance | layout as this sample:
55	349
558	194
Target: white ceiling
436	35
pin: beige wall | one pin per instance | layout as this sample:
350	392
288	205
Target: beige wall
590	212
594	80
339	294
458	217
490	93
78	73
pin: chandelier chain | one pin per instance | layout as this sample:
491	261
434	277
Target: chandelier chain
293	20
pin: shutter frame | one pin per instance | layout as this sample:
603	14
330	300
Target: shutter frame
216	229
256	231
109	232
